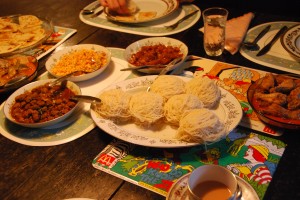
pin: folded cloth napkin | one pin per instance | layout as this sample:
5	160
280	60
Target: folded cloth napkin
236	29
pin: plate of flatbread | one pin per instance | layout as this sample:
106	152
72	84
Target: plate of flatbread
144	11
19	33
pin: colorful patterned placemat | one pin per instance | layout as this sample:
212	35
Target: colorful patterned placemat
250	156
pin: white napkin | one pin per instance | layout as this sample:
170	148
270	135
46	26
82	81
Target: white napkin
236	29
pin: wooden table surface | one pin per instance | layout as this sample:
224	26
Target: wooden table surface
65	171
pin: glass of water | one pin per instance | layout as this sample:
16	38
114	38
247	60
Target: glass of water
214	30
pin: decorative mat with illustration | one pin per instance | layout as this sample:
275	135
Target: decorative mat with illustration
250	156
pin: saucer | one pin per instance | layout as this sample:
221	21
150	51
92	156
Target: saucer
179	190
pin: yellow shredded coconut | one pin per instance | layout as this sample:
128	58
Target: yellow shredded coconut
79	60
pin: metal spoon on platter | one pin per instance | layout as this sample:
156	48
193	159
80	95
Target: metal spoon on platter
253	46
87	99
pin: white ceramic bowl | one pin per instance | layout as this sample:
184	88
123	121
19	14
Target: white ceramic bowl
11	99
136	46
54	58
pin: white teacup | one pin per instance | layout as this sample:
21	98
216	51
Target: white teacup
213	182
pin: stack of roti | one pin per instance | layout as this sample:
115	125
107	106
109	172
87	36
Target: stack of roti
27	30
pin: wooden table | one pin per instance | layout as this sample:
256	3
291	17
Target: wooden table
65	171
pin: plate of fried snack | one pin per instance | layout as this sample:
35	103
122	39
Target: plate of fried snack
275	99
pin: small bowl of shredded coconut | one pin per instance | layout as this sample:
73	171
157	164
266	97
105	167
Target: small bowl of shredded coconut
87	60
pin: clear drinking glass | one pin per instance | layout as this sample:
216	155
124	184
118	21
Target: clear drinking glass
214	30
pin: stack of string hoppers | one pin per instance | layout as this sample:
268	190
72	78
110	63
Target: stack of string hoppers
185	105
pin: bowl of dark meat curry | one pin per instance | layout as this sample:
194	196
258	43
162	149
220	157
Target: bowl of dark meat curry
276	100
16	71
154	53
38	105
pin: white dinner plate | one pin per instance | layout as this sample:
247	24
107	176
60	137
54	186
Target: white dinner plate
162	8
291	40
153	28
277	57
229	111
179	189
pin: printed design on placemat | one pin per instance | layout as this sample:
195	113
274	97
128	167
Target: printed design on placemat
252	157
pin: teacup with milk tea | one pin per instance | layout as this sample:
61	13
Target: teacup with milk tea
211	182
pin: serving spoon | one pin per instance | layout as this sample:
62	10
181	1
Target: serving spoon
86	98
166	69
61	79
158	66
253	46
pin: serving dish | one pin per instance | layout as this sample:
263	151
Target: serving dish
166	41
76	125
274	116
94	69
24	33
150	10
16	71
11	100
290	40
229	110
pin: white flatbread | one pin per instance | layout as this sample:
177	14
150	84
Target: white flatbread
14	36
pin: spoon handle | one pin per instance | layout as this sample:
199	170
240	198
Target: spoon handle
87	99
59	80
262	33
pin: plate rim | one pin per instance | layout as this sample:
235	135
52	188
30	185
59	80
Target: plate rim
123	134
284	37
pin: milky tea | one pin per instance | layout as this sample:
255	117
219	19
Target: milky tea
212	182
212	190
214	30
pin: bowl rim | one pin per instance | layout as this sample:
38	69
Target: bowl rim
11	99
265	118
55	56
25	81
